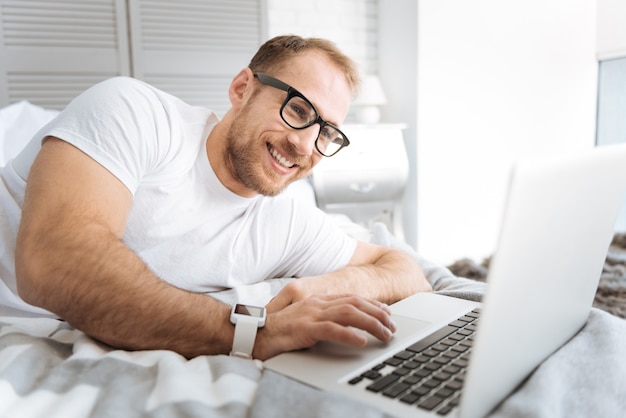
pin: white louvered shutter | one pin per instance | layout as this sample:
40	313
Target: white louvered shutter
51	50
193	48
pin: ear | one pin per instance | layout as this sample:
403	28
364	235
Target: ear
240	87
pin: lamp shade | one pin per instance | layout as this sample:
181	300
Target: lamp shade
369	99
371	92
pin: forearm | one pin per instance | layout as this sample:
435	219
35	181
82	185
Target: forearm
87	276
391	277
394	276
374	272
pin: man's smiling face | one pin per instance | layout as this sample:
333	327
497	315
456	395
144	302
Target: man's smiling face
263	153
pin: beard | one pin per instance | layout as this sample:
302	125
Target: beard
245	153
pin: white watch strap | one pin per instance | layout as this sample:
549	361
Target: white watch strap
245	334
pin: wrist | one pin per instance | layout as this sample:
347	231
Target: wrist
247	320
266	342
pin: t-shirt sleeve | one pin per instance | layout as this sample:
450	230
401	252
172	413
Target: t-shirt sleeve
316	245
121	124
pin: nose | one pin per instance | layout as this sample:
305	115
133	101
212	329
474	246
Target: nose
303	140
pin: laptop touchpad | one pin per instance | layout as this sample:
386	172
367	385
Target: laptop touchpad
407	329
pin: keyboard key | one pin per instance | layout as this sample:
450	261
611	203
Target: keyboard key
455	401
430	352
430	403
454	385
421	373
404	355
401	371
451	369
382	383
411	365
432	366
421	358
431	339
371	374
445	410
443	359
468	318
411	380
444	393
421	391
460	363
448	342
355	380
450	355
432	383
441	376
459	348
410	398
396	390
393	361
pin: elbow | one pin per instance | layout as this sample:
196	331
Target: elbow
28	274
25	284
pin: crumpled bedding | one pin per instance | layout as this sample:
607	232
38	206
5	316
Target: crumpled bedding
49	369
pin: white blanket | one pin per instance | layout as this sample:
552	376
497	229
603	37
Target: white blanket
48	369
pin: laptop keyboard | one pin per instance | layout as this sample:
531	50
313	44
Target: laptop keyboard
429	373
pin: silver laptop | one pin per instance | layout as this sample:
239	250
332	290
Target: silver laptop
459	358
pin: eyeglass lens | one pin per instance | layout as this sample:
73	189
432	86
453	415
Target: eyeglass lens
298	113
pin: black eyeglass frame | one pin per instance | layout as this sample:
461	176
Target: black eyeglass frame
291	93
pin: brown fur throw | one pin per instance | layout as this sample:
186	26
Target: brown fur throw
611	293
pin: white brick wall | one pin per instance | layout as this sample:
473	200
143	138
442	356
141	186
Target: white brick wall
351	24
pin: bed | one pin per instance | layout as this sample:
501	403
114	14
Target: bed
49	369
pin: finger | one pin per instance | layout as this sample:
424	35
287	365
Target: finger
364	316
373	308
277	303
334	332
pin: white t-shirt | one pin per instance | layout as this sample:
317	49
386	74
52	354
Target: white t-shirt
190	230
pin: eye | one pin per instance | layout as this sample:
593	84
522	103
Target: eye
326	133
299	112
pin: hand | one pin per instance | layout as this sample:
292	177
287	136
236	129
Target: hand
295	291
323	318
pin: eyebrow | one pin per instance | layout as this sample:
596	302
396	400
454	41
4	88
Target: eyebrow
277	83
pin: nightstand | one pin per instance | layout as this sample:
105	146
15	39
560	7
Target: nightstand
367	179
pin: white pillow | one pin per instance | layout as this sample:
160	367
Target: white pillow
18	123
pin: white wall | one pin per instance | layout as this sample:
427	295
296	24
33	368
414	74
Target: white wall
398	57
611	43
611	29
493	81
351	24
496	81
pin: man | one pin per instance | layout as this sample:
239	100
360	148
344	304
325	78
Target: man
137	205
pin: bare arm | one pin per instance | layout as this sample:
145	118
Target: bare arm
374	272
70	260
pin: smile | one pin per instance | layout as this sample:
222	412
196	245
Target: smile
280	159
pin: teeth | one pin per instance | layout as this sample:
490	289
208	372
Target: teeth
282	160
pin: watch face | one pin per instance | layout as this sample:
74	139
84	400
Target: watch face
253	311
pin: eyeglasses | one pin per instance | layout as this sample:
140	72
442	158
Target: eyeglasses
299	113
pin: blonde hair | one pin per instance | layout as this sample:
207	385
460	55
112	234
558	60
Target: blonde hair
276	52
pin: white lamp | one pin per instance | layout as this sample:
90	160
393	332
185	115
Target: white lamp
370	98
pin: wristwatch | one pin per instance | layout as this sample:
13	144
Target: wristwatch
247	319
